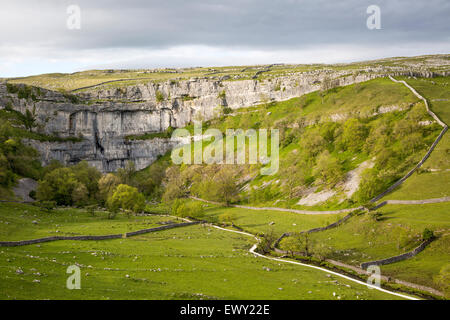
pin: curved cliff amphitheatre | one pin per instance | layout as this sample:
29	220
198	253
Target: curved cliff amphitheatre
363	178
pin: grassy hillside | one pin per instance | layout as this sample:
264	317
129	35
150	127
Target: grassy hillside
433	181
377	124
395	229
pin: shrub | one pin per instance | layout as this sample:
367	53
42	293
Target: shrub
91	209
427	234
188	209
159	96
328	169
227	218
227	110
12	88
372	184
222	95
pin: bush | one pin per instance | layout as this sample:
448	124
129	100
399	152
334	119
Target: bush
372	184
227	218
222	95
328	169
187	209
91	209
159	96
427	234
296	243
290	244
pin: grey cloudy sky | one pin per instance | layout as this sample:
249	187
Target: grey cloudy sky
175	33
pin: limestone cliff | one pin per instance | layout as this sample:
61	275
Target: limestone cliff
103	118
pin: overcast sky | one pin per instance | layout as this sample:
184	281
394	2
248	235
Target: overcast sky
181	33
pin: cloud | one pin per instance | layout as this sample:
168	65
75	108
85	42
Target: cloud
155	33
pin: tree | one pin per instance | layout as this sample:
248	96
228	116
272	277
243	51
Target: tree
226	186
372	183
290	244
326	85
126	174
88	176
328	169
58	186
296	243
107	185
80	195
354	134
127	198
29	119
174	184
69	185
312	143
266	242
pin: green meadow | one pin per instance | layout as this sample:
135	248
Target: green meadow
195	262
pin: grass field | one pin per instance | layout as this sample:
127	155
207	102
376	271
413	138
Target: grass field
17	223
256	221
195	262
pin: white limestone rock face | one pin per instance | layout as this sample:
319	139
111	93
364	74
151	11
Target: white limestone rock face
134	110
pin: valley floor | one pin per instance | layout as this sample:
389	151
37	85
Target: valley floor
195	262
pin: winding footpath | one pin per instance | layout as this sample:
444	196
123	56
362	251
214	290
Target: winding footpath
253	248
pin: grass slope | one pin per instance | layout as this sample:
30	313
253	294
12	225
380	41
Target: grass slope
434	180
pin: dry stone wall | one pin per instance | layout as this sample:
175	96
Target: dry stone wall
95	238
